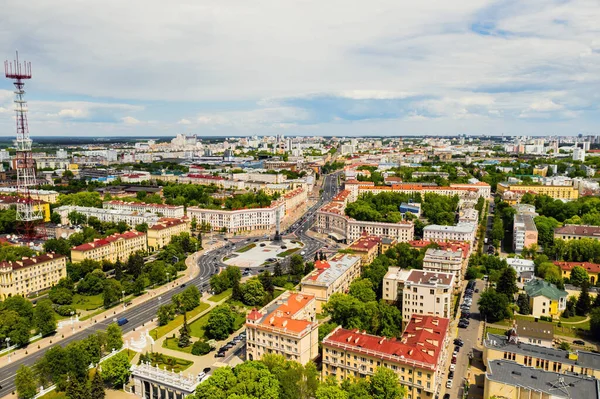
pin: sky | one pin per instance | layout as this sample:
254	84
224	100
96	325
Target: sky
305	67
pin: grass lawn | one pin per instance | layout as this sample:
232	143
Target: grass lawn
172	343
171	363
89	316
494	330
221	296
286	253
246	248
178	321
87	302
54	395
197	327
572	319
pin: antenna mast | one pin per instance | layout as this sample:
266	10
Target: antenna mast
27	214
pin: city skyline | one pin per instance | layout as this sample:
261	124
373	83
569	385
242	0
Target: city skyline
305	69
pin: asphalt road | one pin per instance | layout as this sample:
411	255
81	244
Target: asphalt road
143	313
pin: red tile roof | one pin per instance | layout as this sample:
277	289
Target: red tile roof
365	242
589	267
582	230
283	317
422	342
27	262
106	241
201	176
164	223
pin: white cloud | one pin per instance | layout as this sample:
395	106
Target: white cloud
379	50
129	120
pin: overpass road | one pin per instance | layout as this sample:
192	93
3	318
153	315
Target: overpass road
208	262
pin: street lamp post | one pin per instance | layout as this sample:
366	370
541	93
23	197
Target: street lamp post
72	322
123	299
8	346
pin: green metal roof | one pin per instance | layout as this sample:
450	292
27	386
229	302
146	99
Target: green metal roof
543	288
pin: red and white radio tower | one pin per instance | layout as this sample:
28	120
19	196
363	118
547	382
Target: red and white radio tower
28	218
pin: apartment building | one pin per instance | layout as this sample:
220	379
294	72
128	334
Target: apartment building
357	188
592	269
239	220
577	232
521	265
31	275
468	215
49	196
132	218
367	247
501	347
295	199
111	248
287	326
444	261
545	299
421	292
332	220
330	277
160	234
198	178
417	358
460	232
556	192
525	233
511	380
168	211
483	189
454	246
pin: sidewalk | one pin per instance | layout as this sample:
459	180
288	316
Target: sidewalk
191	271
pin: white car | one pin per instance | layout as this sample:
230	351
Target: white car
452	367
449	384
201	375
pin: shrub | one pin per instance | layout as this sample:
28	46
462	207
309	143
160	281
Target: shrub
65	310
200	348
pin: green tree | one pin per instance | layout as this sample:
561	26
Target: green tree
20	305
385	385
253	293
55	218
115	370
296	265
362	289
61	296
578	276
43	318
77	389
190	298
165	314
277	271
220	322
142	227
112	292
507	283
135	264
184	333
200	348
266	279
58	245
25	382
114	337
326	391
584	301
595	322
76	218
493	306
523	304
97	386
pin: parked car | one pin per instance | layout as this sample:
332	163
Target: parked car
452	366
477	290
446	396
451	375
578	342
220	354
449	384
206	370
458	341
462	325
201	375
262	244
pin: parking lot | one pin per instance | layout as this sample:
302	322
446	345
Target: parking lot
457	367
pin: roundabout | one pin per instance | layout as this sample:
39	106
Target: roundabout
260	253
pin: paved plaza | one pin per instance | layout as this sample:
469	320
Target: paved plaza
258	255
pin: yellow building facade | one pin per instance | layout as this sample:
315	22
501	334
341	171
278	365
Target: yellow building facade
31	275
111	248
161	233
556	192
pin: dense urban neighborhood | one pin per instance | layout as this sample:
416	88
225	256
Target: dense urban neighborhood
303	267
